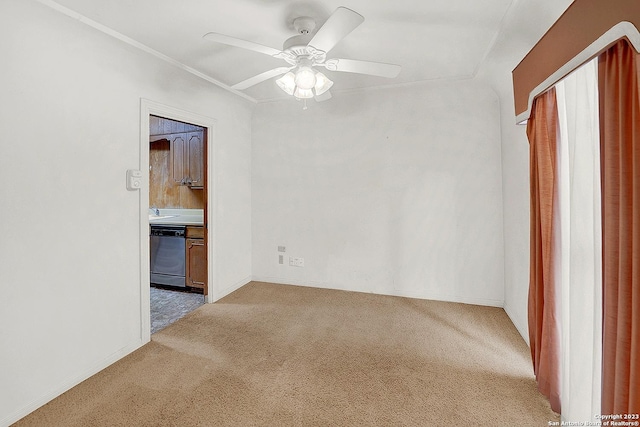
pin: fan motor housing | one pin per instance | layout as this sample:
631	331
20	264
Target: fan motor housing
297	48
297	43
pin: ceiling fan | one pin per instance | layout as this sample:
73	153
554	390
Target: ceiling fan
307	50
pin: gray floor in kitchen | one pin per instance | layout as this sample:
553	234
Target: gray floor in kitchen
167	306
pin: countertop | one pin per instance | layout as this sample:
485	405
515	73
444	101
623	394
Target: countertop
177	217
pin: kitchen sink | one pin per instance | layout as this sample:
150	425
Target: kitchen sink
154	217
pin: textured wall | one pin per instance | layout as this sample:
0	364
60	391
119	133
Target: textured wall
519	34
70	246
394	191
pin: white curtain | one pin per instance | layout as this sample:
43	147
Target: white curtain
578	240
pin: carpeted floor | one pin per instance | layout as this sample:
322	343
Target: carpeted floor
278	355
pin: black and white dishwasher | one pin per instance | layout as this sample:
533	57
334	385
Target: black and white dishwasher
168	244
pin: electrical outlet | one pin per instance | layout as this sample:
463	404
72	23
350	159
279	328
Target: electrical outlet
280	259
296	262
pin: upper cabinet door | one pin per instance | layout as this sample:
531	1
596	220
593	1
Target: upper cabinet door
195	159
178	168
187	149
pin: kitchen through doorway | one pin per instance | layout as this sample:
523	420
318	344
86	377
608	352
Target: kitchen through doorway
177	219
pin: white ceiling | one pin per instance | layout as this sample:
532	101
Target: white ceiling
430	39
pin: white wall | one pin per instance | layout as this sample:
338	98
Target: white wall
519	34
395	191
69	251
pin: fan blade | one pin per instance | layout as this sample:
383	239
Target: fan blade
232	41
260	78
341	22
326	95
363	67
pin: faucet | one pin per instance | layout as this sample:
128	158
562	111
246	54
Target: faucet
156	211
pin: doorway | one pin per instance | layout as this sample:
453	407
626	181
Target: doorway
190	190
177	202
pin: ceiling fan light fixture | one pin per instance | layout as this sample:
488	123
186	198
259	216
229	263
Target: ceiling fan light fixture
301	93
287	83
323	84
309	49
305	77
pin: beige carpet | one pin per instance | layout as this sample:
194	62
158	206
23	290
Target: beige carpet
277	355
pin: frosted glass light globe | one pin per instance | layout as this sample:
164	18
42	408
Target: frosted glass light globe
287	83
323	84
303	93
305	78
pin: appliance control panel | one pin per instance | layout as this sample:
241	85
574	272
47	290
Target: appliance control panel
168	231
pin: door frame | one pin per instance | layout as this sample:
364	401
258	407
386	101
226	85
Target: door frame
147	108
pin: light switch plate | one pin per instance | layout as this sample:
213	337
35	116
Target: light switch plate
134	179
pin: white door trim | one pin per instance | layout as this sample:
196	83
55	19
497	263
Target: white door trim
148	107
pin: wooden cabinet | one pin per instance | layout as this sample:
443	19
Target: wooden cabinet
196	259
187	149
187	158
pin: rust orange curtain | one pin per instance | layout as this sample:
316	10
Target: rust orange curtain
544	336
619	80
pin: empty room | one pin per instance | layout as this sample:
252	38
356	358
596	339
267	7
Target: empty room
379	213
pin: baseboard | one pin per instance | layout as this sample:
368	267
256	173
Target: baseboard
524	331
282	281
226	291
41	401
428	296
450	298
